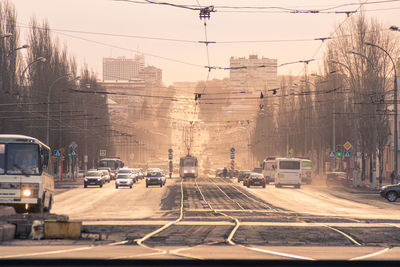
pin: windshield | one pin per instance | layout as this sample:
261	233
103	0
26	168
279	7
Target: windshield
22	159
154	174
123	176
289	165
91	174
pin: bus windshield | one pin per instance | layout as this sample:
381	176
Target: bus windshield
22	159
306	164
289	165
109	164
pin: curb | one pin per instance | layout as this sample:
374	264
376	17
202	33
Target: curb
7	231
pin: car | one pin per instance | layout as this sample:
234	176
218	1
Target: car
154	178
129	171
94	178
255	179
246	178
164	180
81	173
242	175
258	170
219	172
107	176
336	179
123	179
390	192
110	172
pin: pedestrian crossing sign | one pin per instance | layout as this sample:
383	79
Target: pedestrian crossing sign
347	154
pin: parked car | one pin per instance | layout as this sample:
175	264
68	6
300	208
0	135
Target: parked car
94	178
336	178
123	179
390	192
154	178
242	175
255	179
107	175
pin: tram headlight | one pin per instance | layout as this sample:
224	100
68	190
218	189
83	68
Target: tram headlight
27	193
192	171
185	171
29	190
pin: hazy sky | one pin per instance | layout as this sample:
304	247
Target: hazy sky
166	22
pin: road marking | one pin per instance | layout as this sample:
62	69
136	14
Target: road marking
46	252
395	225
140	255
342	233
371	255
278	253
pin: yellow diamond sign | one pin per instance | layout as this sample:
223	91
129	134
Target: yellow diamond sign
347	145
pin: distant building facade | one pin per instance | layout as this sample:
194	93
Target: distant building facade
151	76
122	68
254	77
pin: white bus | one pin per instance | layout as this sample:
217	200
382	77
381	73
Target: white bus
288	172
306	171
269	166
25	180
188	167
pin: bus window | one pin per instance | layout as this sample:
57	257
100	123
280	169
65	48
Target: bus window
289	165
22	159
2	158
44	160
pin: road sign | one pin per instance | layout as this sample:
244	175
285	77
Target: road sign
347	154
57	153
73	145
170	151
291	151
232	155
331	154
232	150
170	156
103	152
73	153
347	145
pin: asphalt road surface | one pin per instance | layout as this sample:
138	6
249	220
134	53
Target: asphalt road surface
215	218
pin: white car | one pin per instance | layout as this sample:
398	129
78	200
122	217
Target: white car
107	176
127	171
123	179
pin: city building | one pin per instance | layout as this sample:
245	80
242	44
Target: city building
151	76
260	74
122	68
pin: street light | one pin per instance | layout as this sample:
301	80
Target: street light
48	102
16	49
6	35
356	170
39	59
374	133
396	141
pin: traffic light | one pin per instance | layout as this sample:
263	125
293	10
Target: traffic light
338	151
69	154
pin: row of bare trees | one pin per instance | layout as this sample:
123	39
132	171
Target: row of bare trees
351	100
42	68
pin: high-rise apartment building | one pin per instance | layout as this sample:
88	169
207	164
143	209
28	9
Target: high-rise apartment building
260	74
122	68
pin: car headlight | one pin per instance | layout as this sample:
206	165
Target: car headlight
86	179
98	179
185	171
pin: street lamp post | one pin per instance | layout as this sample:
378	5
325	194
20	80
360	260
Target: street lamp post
396	141
356	167
39	59
375	130
48	103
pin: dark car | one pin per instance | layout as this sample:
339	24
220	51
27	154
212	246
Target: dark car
390	192
242	175
154	178
94	178
336	179
255	179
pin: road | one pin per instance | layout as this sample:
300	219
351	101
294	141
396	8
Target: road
209	218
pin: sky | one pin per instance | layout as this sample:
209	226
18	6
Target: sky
93	29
